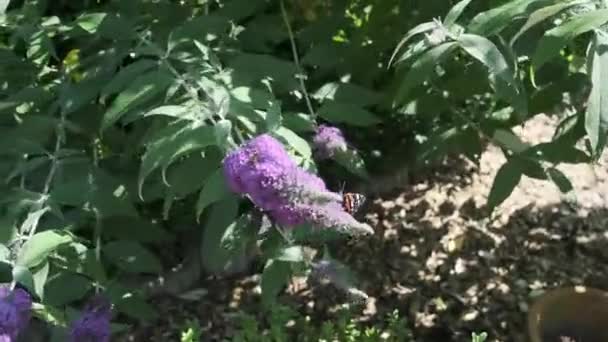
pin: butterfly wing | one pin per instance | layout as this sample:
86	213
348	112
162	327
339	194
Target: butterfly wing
351	202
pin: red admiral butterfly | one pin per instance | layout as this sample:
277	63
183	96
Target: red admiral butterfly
351	202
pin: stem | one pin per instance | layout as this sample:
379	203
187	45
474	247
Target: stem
296	59
60	137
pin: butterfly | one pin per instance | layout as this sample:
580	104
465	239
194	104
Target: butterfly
351	202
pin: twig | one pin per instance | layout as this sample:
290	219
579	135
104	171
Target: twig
296	59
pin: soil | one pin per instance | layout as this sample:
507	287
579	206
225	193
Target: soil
437	257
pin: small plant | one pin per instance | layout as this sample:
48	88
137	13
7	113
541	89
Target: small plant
191	332
344	328
479	337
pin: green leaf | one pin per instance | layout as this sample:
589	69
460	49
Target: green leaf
507	178
508	140
40	276
422	68
487	53
347	93
273	116
186	139
125	76
596	117
352	161
90	21
299	122
455	12
560	179
558	151
40	246
418	29
294	141
175	111
554	39
136	229
142	89
131	256
131	303
250	69
223	214
340	112
23	276
291	254
275	276
541	15
214	190
491	22
66	287
6	272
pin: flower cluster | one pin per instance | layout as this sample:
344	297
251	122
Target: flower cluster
15	312
264	171
94	324
328	141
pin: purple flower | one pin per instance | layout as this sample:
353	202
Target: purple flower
15	312
263	170
328	141
333	215
94	324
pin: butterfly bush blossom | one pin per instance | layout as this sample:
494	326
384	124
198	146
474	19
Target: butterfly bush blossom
94	324
15	312
263	170
328	141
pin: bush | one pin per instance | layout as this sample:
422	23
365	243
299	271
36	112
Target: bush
118	115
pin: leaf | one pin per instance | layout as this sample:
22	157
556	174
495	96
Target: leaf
510	141
560	179
189	138
40	246
557	152
553	40
295	141
541	15
455	12
418	29
3	6
214	190
136	229
6	272
347	93
66	287
352	161
131	303
175	111
275	276
340	112
250	69
273	116
142	89
596	117
422	68
291	254
90	21
507	178
40	276
491	22
125	76
223	214
23	276
487	53
131	256
299	122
